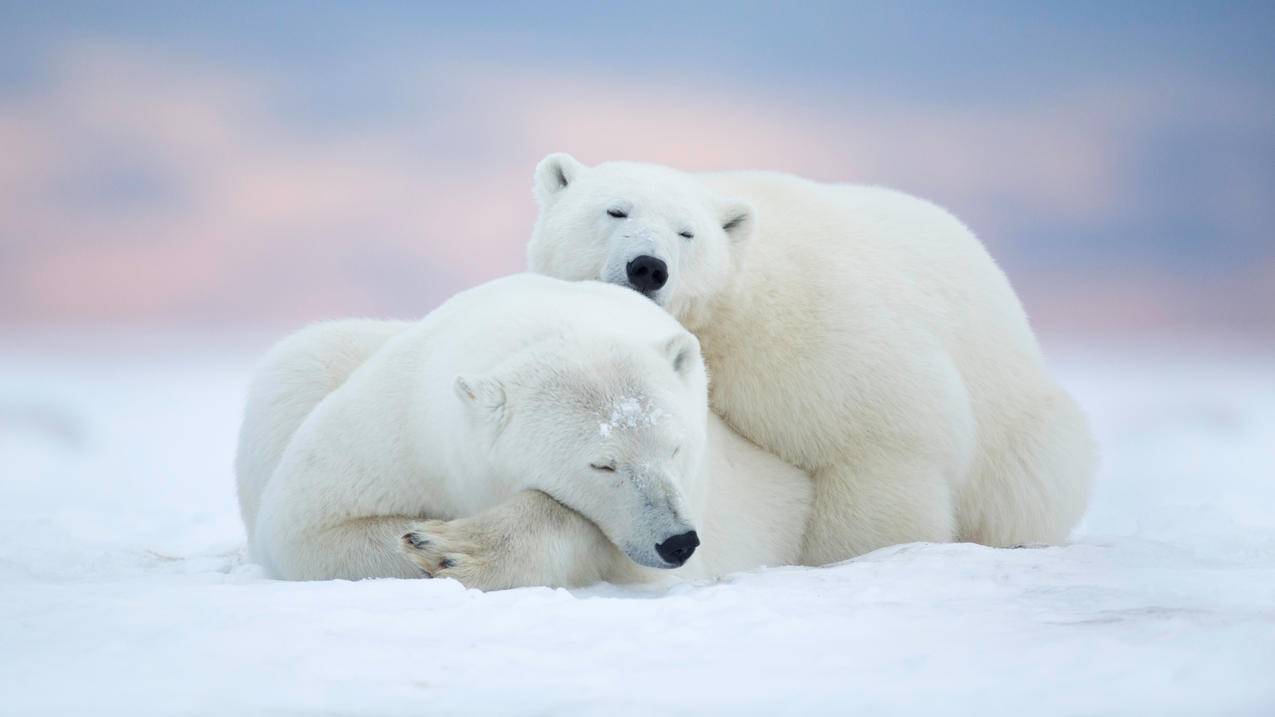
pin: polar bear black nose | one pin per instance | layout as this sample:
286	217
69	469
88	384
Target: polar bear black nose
647	274
679	548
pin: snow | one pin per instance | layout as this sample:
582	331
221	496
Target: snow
629	413
124	589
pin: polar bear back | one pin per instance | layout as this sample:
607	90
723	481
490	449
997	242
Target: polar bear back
877	247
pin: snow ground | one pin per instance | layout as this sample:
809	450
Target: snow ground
123	587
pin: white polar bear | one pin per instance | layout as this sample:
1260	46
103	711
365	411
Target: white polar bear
861	334
450	447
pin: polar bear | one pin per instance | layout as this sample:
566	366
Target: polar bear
450	448
860	334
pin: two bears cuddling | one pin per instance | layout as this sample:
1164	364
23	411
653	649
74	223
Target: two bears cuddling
874	381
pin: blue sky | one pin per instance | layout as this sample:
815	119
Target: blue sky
1152	124
958	51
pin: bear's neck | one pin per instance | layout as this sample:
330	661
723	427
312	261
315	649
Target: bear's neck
740	305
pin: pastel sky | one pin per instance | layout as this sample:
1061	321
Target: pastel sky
212	164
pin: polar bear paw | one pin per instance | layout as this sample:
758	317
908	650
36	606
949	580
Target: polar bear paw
445	549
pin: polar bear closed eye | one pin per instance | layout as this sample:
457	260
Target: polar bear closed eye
859	333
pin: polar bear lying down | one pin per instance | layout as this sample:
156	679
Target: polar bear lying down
858	333
529	431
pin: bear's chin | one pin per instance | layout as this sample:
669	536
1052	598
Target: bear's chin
650	561
657	297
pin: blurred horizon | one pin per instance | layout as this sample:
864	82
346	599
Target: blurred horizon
232	165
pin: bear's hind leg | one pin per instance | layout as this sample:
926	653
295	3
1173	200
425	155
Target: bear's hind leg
1031	485
860	508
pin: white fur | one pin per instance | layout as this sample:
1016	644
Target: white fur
859	333
450	447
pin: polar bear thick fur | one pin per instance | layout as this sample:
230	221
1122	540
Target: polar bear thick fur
861	334
449	448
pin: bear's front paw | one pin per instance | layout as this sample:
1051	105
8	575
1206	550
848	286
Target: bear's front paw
442	549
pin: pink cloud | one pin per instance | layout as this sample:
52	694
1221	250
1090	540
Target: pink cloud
271	220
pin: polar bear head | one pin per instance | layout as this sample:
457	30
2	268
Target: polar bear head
614	429
646	227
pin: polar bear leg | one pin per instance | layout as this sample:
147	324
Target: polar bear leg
1032	485
296	375
352	550
530	539
872	504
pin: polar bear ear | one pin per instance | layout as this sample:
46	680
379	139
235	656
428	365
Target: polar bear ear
481	392
554	173
738	219
682	352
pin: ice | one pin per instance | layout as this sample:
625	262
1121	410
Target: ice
124	588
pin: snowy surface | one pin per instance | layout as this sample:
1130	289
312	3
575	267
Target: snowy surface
123	587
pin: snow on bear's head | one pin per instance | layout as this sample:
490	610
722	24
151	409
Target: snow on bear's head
612	430
650	228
